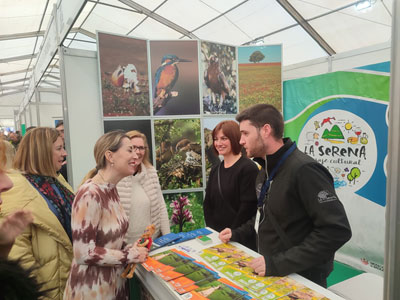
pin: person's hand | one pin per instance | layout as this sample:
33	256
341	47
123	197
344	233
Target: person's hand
143	253
258	265
137	243
13	225
225	235
128	246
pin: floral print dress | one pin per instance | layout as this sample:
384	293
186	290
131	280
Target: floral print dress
99	225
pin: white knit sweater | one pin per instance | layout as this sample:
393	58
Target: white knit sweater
148	179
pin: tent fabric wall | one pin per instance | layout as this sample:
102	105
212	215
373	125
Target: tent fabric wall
339	62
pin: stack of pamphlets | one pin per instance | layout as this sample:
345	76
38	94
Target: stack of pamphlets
196	280
175	238
193	279
234	264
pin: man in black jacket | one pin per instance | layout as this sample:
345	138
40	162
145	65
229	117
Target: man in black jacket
300	221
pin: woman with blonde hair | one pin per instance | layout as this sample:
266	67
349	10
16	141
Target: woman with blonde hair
45	246
19	283
14	224
141	194
142	199
9	154
99	225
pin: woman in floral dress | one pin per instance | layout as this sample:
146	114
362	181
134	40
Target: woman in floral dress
99	225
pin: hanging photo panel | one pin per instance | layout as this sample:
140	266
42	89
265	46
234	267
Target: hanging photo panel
260	76
143	126
175	77
219	72
211	157
178	153
124	75
185	211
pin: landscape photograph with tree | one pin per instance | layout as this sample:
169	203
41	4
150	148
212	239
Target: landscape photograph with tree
178	153
260	75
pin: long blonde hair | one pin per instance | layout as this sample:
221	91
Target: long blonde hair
3	158
10	154
146	157
35	152
111	141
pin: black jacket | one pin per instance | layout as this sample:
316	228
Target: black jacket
303	201
238	202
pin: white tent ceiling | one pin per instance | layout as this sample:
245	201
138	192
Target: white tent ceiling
308	29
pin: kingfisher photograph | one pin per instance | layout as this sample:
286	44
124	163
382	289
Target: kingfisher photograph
219	73
124	75
175	77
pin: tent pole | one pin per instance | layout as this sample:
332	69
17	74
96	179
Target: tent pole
392	236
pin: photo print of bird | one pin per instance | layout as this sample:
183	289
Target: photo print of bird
175	77
178	153
216	81
166	77
219	80
124	75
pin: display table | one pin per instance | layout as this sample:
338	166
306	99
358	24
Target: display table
159	288
365	286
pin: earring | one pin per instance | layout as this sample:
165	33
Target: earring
112	164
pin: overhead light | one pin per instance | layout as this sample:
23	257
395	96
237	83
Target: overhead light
364	4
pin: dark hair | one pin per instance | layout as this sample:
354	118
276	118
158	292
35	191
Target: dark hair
261	114
231	130
18	283
59	123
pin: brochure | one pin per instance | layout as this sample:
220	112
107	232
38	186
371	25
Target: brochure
220	289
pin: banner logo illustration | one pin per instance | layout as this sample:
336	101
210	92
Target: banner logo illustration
344	143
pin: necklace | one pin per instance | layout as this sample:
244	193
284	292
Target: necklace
102	177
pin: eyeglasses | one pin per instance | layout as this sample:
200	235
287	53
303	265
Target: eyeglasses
139	148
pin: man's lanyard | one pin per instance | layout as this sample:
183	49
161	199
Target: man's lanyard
267	182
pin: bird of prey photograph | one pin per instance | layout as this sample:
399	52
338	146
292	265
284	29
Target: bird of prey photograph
175	78
219	70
